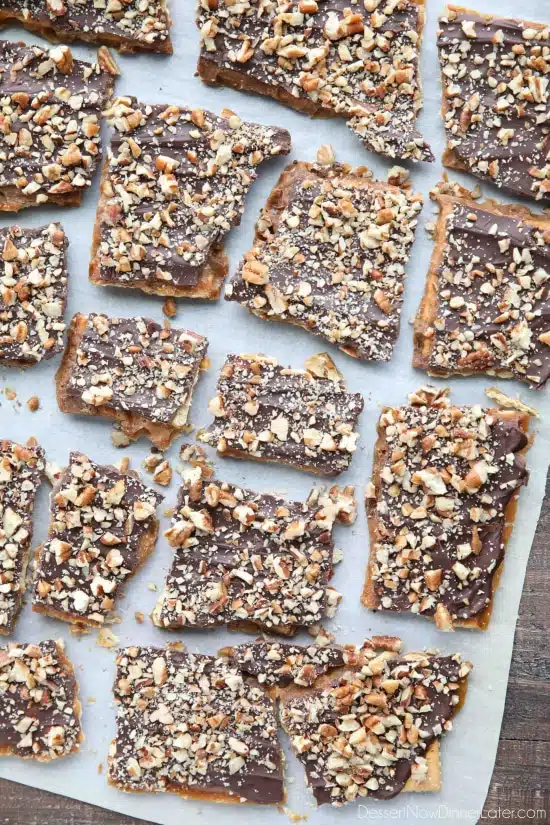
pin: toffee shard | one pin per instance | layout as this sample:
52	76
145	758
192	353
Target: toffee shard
191	725
39	705
441	508
360	63
50	108
33	293
487	302
133	370
265	412
174	185
330	252
250	560
495	73
131	26
22	468
102	528
375	730
280	664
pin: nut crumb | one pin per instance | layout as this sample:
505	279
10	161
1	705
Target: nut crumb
106	638
33	403
170	308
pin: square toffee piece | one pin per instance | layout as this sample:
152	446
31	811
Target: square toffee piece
33	294
265	412
495	73
329	59
248	560
22	470
50	123
193	725
329	255
102	528
39	705
133	370
486	305
441	508
128	25
173	186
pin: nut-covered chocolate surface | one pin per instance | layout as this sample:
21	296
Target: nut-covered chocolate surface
50	141
266	412
39	707
192	725
282	663
21	472
495	74
33	293
325	57
438	507
330	253
102	528
174	185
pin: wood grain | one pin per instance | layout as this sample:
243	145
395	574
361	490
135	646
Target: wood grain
520	788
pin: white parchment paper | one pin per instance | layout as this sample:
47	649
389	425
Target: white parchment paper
468	753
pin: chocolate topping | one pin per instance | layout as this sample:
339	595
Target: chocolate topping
495	77
192	725
282	664
271	413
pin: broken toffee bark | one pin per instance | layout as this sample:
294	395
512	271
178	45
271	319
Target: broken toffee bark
133	370
330	252
33	294
39	706
102	529
50	107
250	560
487	301
265	412
441	508
192	725
332	59
173	186
128	25
495	73
21	472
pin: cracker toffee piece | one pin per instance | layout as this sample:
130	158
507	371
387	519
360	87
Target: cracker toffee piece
133	370
173	186
33	293
128	25
357	61
495	74
373	728
486	304
265	412
192	725
441	508
50	107
21	473
39	705
330	253
102	528
250	560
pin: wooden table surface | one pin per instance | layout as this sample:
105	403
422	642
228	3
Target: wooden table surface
520	788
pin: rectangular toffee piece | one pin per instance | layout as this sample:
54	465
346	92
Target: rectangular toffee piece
265	412
329	255
33	293
193	725
102	528
328	59
50	108
173	186
250	560
133	370
22	469
128	25
486	305
39	705
495	72
441	508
